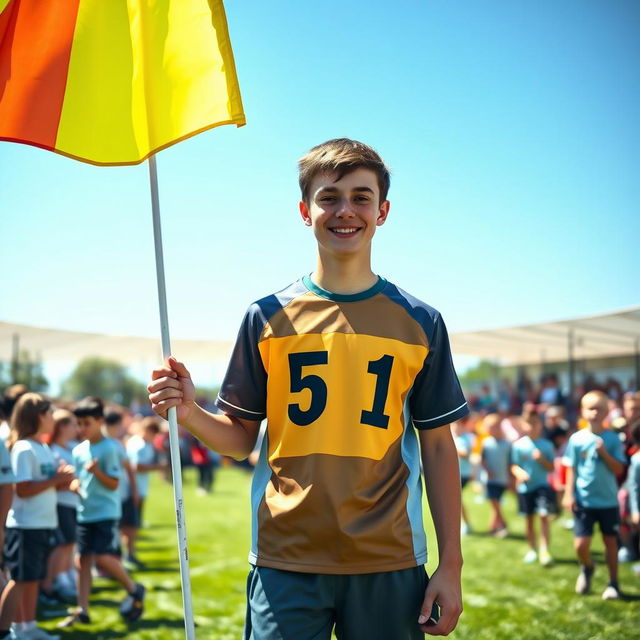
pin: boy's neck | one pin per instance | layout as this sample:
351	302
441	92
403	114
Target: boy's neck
98	437
595	427
344	277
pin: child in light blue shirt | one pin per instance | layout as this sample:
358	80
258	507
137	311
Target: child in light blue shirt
531	461
594	457
496	452
98	467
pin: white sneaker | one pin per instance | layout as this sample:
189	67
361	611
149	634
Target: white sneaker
610	593
624	555
545	558
530	556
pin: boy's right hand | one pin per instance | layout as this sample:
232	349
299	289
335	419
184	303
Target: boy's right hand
171	386
567	502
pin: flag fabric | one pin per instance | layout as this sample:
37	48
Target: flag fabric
112	82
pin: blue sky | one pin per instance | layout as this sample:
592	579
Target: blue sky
511	129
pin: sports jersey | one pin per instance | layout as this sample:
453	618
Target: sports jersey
496	455
32	461
97	502
124	486
595	484
64	455
342	381
522	455
139	451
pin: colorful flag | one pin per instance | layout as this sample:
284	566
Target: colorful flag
114	81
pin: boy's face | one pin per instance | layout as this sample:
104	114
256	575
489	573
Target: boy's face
89	427
594	409
344	214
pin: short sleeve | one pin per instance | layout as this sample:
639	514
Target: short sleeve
437	398
112	462
244	389
22	461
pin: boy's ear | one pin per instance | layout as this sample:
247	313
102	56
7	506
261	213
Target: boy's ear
304	212
383	212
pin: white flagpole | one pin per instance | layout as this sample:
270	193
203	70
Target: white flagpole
173	421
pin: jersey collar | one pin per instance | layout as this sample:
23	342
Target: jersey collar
344	297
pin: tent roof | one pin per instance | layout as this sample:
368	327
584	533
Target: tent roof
59	344
605	335
601	336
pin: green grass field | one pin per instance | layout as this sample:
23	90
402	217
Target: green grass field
503	598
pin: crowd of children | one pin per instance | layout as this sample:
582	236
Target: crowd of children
592	471
72	482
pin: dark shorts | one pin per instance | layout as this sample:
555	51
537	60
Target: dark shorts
584	518
542	501
370	606
495	490
26	552
66	532
101	537
464	480
131	515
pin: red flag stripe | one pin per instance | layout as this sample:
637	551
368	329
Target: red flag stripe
35	47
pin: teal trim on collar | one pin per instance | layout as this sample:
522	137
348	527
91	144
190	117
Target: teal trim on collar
344	297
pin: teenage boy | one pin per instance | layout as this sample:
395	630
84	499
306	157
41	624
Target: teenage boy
345	367
594	457
98	467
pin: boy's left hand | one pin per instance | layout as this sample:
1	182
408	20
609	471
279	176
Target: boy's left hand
445	589
92	465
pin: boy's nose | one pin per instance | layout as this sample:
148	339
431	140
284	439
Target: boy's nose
344	208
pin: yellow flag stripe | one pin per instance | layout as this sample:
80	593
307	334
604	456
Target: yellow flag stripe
145	74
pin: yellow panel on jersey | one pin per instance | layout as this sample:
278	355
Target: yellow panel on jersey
338	394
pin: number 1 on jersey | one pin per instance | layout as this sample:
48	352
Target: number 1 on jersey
382	369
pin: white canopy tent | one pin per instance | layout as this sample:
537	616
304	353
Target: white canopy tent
606	335
59	344
601	336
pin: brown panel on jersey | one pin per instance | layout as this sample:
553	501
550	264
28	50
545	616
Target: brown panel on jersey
342	526
377	316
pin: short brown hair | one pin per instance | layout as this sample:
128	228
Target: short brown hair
341	156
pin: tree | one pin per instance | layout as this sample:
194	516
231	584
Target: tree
24	370
107	379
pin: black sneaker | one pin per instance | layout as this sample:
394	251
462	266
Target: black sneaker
77	617
133	605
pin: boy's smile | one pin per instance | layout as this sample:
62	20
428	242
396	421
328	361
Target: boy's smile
344	213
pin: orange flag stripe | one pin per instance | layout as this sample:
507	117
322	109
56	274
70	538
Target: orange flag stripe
35	48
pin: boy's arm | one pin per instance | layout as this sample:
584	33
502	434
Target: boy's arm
568	498
615	466
133	481
540	458
172	386
29	488
442	479
108	481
